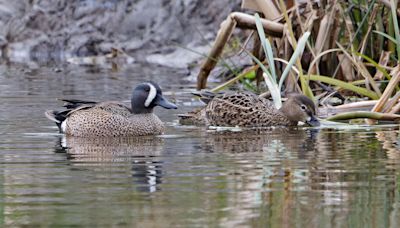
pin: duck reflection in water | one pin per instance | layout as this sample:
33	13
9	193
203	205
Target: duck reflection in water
113	155
260	140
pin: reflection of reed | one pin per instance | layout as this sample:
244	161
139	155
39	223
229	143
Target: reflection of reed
330	170
263	165
346	161
283	173
390	143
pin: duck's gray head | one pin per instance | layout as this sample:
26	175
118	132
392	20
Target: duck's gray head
300	108
146	96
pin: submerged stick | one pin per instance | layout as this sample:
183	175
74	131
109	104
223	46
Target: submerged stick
365	114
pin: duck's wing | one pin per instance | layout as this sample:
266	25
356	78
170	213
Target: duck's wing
73	103
114	108
229	109
241	109
71	106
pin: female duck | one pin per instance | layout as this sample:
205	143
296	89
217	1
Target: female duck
249	110
92	119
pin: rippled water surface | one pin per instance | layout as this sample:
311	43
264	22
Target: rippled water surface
191	176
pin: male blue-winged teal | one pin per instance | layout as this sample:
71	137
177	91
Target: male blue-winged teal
249	110
93	119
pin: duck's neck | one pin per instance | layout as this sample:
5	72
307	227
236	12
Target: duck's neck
286	111
138	108
285	108
143	110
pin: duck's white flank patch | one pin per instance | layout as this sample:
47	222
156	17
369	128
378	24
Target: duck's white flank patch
64	141
64	126
151	96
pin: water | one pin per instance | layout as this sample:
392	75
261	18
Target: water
191	176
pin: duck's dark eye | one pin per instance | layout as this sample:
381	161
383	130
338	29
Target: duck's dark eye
303	107
147	89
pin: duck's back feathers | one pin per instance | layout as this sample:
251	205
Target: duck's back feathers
114	108
244	110
73	103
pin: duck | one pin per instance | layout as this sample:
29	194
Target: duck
244	109
83	118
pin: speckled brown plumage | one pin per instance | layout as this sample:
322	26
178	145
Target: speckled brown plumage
195	117
112	119
105	119
244	110
249	110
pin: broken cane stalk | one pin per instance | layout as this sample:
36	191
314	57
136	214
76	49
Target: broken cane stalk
242	20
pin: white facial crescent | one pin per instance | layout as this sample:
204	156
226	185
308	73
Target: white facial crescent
151	96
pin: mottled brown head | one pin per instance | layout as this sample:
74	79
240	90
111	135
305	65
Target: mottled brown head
300	108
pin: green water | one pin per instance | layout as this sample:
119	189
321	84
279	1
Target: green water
191	177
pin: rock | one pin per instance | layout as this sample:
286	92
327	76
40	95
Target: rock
79	28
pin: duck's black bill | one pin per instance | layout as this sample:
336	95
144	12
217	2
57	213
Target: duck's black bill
161	101
314	122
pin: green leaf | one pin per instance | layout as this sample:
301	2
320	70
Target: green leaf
379	67
248	85
299	51
385	35
250	75
345	85
266	46
271	84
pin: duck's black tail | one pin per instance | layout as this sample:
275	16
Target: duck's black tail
57	116
71	105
